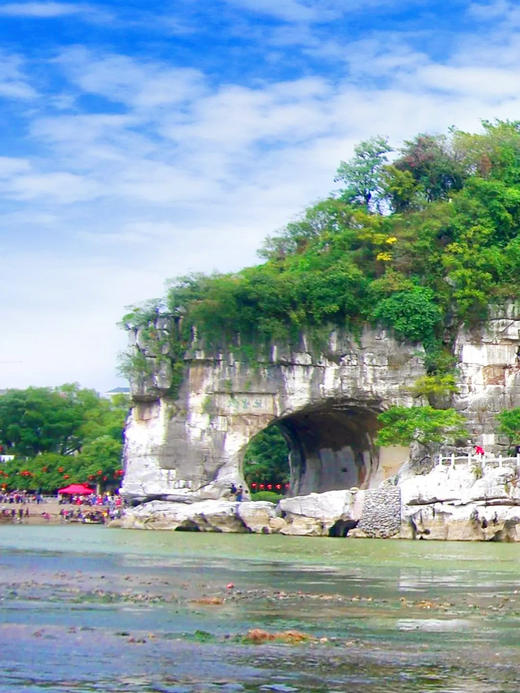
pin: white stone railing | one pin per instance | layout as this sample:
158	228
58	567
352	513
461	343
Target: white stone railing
486	460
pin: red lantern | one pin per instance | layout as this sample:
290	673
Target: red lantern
65	476
105	478
262	486
269	487
278	487
61	469
253	485
287	485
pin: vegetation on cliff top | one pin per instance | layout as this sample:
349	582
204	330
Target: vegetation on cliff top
420	244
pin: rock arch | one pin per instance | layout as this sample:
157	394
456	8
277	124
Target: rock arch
191	447
332	446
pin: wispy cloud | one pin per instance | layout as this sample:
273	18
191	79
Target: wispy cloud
288	10
51	10
311	11
137	164
14	82
140	84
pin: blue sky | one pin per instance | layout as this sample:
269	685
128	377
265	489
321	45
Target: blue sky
143	140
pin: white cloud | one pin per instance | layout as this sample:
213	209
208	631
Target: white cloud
138	84
191	173
51	10
489	83
59	187
14	84
287	10
13	165
312	11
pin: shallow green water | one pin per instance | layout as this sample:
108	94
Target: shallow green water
92	609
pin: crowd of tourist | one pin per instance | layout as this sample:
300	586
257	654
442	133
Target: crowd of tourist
22	497
15	506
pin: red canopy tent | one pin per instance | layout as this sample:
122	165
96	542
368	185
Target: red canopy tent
77	490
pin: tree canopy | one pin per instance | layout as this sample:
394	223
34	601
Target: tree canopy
59	436
420	244
423	425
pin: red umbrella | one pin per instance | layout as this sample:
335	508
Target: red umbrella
76	489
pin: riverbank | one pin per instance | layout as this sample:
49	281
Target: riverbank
45	513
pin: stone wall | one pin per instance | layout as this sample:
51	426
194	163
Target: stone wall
381	513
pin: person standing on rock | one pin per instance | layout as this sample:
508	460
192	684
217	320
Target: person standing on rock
239	494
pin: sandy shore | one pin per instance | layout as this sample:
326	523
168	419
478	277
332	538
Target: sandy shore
46	513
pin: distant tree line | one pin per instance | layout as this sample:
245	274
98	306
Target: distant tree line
60	435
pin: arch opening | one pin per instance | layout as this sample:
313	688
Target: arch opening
332	447
266	461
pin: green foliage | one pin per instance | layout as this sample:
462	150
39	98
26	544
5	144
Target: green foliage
437	388
270	496
477	469
509	424
445	245
60	436
412	314
424	425
432	165
362	175
266	458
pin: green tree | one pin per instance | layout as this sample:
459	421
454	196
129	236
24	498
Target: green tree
433	165
39	420
412	314
401	189
362	175
59	436
438	389
509	424
446	247
266	458
424	425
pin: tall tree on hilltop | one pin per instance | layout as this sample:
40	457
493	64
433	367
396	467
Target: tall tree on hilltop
362	174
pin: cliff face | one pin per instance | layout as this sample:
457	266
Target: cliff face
326	405
191	447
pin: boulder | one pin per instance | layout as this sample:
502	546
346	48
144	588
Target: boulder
462	503
258	516
317	513
204	516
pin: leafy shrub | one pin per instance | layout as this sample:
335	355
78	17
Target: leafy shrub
270	496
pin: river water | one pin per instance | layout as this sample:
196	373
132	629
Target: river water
85	608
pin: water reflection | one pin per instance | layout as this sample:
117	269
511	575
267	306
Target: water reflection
169	611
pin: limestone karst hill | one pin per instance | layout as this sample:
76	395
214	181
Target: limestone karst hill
411	268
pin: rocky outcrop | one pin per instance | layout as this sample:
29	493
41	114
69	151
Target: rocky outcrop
467	501
188	447
325	402
470	500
